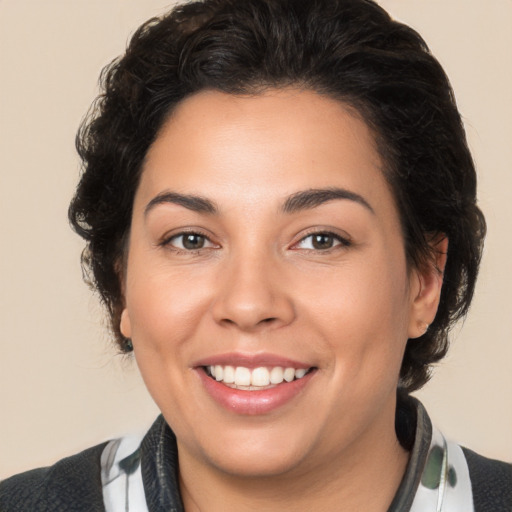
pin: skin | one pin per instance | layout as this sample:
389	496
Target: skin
258	285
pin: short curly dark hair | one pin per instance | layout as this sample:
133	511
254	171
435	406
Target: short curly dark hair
350	50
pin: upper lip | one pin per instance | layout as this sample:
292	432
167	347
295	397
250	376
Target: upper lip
251	361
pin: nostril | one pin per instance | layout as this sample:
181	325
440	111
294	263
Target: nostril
263	321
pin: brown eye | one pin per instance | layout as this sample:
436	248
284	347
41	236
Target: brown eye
322	241
193	241
189	242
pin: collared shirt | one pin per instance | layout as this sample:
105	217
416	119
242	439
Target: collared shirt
437	477
140	474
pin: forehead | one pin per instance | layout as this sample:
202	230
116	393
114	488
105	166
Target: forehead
262	147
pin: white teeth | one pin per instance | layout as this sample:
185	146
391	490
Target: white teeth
276	375
261	377
229	375
289	374
300	373
242	376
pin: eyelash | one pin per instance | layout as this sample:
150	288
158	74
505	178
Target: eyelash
342	242
168	242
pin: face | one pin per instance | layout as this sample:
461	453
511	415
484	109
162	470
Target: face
267	292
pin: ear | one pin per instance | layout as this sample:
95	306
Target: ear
125	325
426	285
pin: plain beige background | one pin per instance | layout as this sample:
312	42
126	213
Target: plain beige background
62	386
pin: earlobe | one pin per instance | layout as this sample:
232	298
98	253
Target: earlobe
125	325
427	291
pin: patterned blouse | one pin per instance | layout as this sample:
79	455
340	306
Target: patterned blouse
140	474
437	478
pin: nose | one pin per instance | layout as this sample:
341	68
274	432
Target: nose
253	295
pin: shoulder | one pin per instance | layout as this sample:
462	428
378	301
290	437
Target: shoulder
491	482
441	473
74	483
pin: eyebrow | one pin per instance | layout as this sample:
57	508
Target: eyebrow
299	201
195	203
307	199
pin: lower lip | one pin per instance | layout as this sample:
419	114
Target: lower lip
253	402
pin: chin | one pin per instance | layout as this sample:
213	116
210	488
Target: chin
257	464
254	453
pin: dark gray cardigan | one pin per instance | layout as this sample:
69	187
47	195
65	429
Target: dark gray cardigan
74	484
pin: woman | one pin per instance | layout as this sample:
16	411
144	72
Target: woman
280	212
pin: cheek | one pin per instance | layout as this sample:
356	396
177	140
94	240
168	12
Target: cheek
164	304
362	315
165	312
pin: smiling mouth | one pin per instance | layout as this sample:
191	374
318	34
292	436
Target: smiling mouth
255	379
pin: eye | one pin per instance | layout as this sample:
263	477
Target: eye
189	241
321	241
